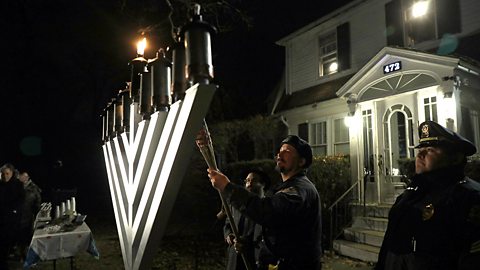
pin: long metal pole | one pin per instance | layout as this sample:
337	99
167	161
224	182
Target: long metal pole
206	148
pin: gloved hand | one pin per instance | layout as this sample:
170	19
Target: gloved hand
239	245
230	239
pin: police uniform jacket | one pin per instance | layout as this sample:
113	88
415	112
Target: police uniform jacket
291	220
437	219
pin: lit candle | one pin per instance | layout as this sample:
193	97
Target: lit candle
138	67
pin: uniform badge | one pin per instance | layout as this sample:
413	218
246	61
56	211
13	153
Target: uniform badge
425	132
428	212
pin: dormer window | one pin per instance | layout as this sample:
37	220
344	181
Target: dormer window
420	21
410	22
328	63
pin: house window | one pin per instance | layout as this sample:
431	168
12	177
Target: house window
319	138
341	137
409	22
430	108
328	54
475	123
470	128
420	21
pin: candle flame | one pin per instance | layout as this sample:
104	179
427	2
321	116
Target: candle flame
141	45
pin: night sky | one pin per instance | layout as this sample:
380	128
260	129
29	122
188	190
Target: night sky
64	60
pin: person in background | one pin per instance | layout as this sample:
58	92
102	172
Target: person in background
435	222
291	216
11	202
31	206
249	244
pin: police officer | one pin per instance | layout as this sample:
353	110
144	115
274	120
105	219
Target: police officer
291	217
435	223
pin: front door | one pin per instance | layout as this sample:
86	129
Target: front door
398	146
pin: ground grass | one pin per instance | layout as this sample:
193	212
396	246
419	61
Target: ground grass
181	248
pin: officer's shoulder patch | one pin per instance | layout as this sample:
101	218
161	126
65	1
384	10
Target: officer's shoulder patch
289	191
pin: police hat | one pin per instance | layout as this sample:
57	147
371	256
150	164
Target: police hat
433	134
302	147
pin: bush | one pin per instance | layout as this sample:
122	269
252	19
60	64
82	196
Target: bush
331	175
472	169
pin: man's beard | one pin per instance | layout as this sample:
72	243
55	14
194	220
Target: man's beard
281	169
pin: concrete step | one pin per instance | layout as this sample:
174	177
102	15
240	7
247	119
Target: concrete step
358	251
371	210
359	235
370	223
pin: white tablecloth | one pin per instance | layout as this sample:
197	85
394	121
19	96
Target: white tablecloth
51	246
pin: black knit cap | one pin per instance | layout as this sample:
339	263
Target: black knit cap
433	134
302	147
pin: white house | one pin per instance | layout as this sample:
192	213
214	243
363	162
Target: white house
382	67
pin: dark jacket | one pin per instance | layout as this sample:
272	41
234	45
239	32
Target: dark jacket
31	204
437	219
250	233
291	220
12	195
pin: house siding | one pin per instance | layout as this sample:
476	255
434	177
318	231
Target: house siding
367	34
469	10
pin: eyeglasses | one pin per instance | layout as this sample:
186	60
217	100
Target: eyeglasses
251	180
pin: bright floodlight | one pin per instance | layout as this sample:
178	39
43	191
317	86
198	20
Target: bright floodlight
419	9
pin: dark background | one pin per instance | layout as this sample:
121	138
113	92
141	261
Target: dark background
64	60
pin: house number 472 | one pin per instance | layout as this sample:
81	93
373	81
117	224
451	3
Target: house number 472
392	67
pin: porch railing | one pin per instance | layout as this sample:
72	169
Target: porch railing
341	212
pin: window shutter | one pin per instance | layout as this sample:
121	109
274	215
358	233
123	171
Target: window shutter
394	19
448	17
343	46
303	131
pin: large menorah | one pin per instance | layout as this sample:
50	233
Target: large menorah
148	141
145	169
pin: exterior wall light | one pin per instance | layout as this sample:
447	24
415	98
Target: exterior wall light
420	9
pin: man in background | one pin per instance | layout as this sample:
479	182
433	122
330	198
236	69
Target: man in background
250	240
11	203
31	206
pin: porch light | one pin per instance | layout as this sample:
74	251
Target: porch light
348	120
353	122
419	9
449	105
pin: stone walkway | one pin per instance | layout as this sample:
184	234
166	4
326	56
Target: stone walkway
335	262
